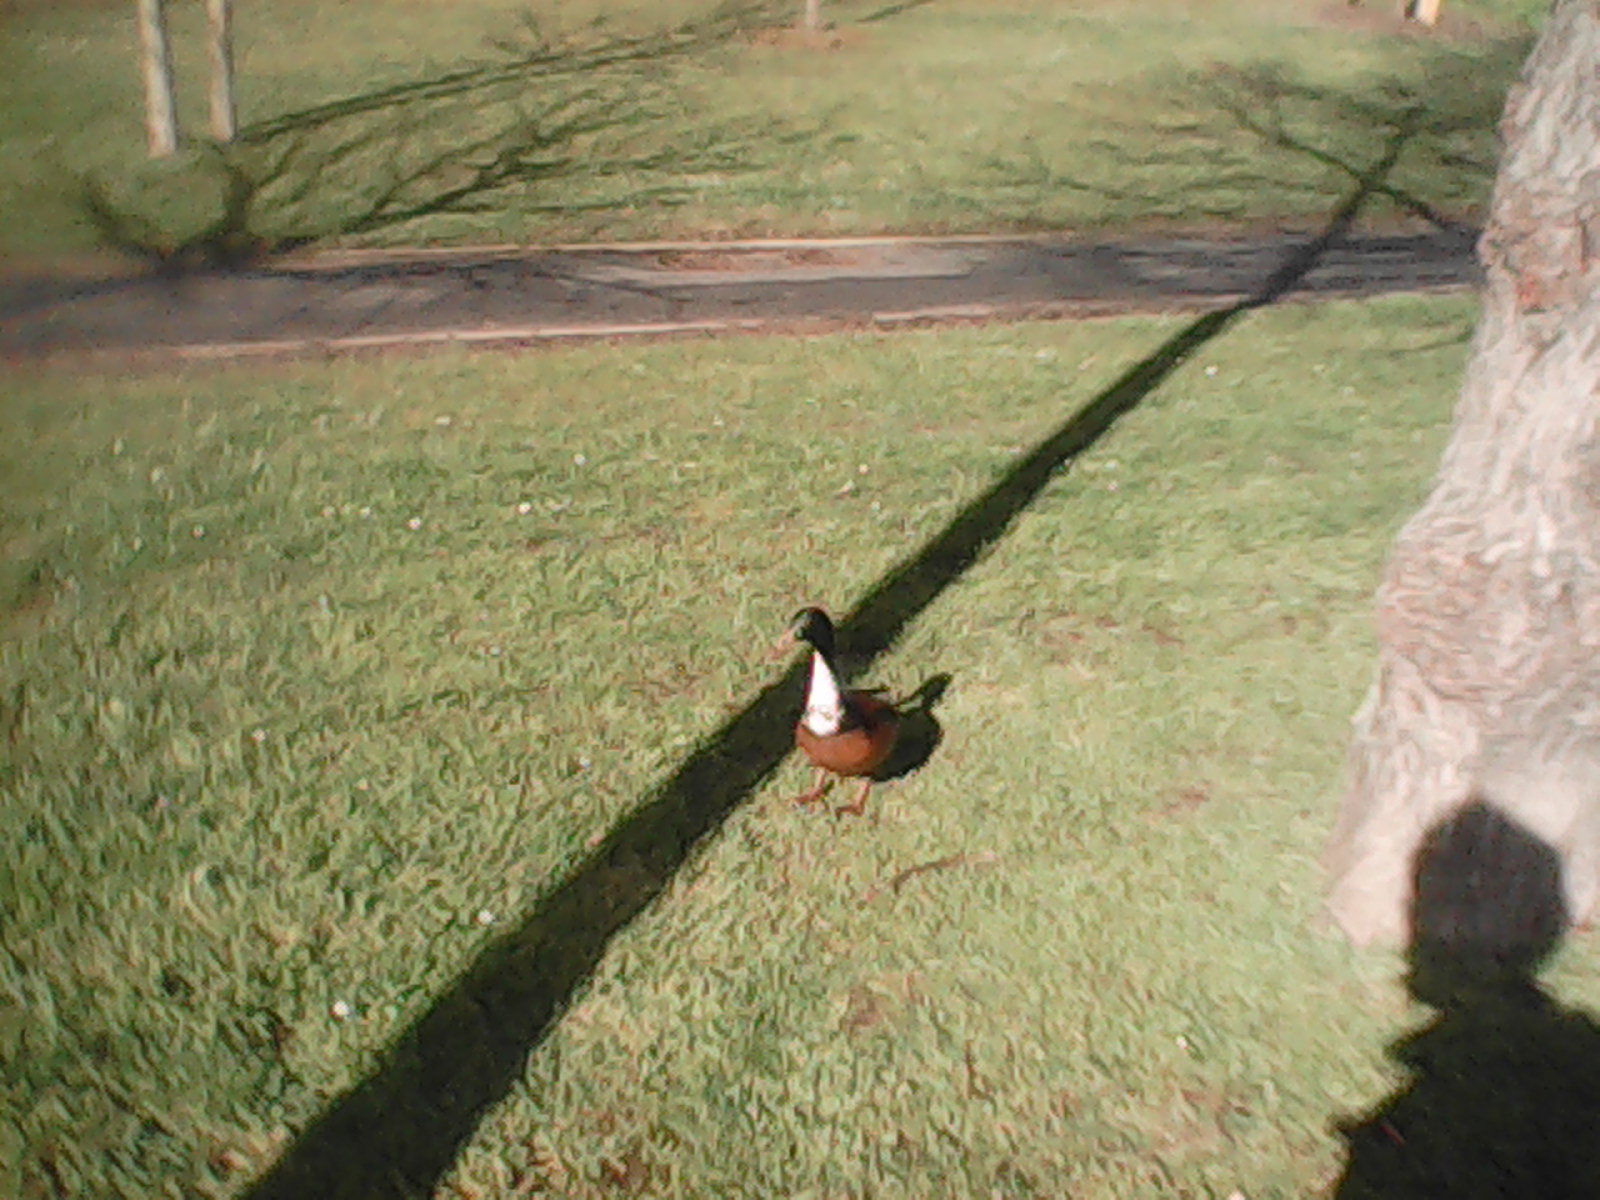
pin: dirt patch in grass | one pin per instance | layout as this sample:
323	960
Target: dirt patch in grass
795	37
1385	17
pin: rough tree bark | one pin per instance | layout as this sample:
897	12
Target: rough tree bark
160	117
1488	684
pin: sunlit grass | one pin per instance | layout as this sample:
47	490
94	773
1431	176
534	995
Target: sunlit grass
955	116
318	675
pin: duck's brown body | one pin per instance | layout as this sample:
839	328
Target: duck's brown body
850	734
863	742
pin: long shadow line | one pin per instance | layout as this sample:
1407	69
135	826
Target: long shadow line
398	1132
883	614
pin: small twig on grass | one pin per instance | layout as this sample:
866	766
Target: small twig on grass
901	878
977	1086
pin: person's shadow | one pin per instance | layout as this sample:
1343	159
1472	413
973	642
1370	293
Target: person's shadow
1504	1095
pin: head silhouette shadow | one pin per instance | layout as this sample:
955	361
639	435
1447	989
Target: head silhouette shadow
1503	1098
920	731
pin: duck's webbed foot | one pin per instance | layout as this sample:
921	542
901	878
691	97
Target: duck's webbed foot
820	783
857	806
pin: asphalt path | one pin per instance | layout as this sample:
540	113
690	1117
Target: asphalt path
331	301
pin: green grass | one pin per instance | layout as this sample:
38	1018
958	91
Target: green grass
270	749
960	115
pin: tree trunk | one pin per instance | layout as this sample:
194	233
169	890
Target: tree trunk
1424	12
813	16
1488	616
160	118
219	27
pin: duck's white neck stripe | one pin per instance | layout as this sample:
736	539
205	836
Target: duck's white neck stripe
824	708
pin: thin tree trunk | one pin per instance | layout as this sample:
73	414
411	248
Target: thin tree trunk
813	16
1488	684
219	26
160	117
1424	12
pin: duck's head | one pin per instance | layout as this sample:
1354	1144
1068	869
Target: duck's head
815	628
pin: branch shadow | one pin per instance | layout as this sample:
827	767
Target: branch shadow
892	10
533	51
1449	108
397	1132
1503	1098
554	124
1236	135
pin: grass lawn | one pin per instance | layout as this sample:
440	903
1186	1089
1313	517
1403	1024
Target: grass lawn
322	677
957	115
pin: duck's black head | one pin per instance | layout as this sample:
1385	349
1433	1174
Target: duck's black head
813	627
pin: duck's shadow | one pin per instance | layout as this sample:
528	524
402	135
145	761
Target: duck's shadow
920	731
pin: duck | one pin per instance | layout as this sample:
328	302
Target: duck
845	734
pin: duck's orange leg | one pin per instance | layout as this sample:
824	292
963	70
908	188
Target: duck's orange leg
857	806
819	784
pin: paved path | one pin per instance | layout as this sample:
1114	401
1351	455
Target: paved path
355	300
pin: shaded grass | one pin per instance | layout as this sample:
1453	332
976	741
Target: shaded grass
279	764
942	117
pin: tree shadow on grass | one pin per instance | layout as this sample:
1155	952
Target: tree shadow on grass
1503	1098
552	124
893	9
1237	142
398	1132
1450	109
